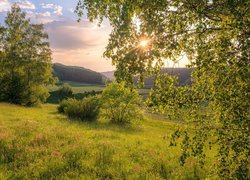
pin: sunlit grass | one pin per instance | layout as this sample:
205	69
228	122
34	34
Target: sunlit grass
39	143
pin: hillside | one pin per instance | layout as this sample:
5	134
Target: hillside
39	143
109	75
77	74
184	75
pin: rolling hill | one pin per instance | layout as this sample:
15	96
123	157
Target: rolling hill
78	74
87	76
184	75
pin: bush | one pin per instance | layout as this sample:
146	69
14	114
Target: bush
85	110
65	91
121	104
64	104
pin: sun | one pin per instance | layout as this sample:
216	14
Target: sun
144	43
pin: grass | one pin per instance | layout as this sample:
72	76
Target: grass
78	87
39	143
82	87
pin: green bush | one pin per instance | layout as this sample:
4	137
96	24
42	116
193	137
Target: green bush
65	91
85	110
65	103
121	104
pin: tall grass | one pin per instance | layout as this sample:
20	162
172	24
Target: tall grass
39	143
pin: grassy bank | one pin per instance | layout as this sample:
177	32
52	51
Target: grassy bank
39	143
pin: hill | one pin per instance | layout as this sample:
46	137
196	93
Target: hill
184	75
109	75
78	74
39	143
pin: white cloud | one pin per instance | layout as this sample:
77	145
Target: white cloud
57	9
45	14
38	18
73	35
4	5
26	5
47	6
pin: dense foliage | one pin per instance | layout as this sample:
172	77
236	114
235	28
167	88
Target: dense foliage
121	104
65	91
86	109
215	37
25	60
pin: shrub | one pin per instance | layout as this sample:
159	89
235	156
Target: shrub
85	110
65	91
64	104
121	104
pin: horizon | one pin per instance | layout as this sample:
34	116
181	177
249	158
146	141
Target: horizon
75	44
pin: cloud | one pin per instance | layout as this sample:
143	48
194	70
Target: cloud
79	44
26	5
4	5
47	6
45	14
57	9
72	35
39	18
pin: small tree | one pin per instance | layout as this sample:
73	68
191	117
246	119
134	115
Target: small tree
121	104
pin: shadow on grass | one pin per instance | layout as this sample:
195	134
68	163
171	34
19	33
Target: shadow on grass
101	124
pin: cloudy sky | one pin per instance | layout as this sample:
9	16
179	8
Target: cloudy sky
73	43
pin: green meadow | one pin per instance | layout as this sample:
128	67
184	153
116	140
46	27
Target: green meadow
38	142
78	87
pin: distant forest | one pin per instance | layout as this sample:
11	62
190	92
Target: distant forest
83	75
77	74
184	75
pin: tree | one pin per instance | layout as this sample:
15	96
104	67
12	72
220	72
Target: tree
26	66
215	36
121	104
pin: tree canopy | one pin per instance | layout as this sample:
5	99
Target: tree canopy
215	36
25	61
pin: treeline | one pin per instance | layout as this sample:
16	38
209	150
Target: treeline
183	74
25	60
77	74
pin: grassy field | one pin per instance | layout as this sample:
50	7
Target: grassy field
40	143
78	87
81	87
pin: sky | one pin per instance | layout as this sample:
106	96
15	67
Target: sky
72	43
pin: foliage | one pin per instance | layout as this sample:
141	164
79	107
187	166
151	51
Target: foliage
65	91
169	98
79	92
214	35
86	109
64	104
25	60
121	104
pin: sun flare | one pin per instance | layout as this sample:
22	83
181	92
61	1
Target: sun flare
144	43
